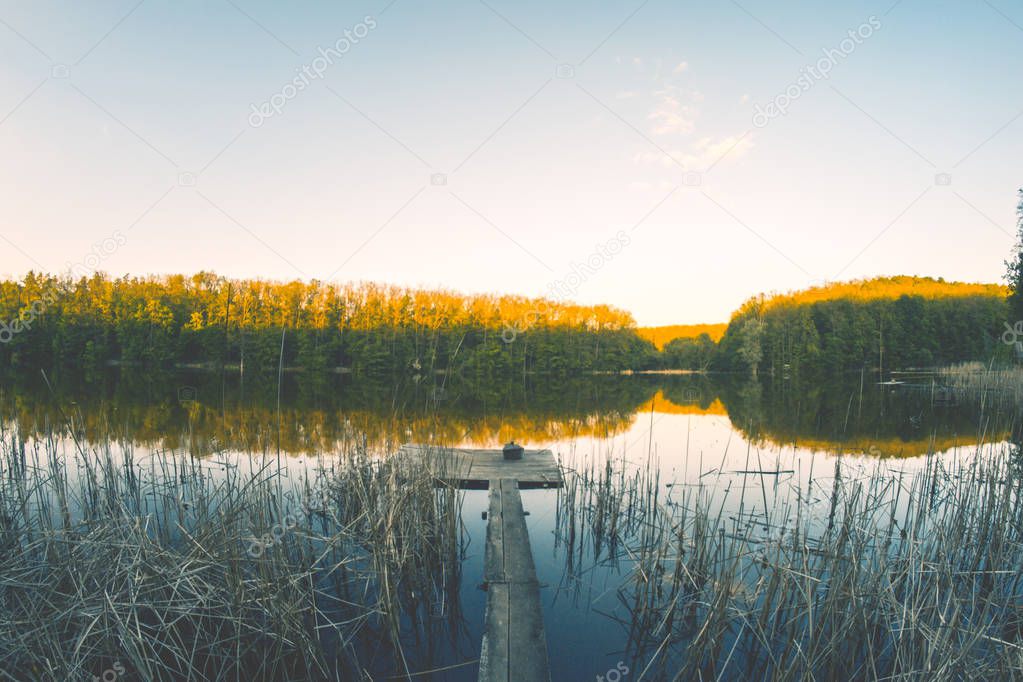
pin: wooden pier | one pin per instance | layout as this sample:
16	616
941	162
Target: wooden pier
514	644
475	469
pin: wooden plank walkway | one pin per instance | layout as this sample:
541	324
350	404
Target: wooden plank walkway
475	469
514	644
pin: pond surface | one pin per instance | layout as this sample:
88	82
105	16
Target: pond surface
748	447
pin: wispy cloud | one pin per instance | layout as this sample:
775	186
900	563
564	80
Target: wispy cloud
672	116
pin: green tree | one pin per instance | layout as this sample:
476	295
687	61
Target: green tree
690	353
1014	275
750	343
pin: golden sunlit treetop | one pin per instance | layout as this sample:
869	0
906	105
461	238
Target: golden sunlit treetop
879	288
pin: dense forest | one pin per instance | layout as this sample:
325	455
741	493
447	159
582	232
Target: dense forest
260	326
886	323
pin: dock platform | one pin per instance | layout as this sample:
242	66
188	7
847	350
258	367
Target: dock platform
514	644
475	469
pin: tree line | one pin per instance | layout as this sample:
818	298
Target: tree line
885	323
260	326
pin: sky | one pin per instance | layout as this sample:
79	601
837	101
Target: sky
668	158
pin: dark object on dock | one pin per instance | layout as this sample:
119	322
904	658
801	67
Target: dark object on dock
513	451
474	469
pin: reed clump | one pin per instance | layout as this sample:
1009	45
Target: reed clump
881	576
995	386
176	568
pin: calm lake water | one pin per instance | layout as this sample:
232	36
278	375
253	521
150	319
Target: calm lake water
750	447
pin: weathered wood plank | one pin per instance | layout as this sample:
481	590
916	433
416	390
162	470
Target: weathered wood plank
468	468
527	645
493	556
514	645
518	557
498	665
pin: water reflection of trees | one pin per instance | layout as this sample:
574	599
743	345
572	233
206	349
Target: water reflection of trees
857	415
207	412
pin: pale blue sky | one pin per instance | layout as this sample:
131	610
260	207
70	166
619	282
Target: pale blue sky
539	169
